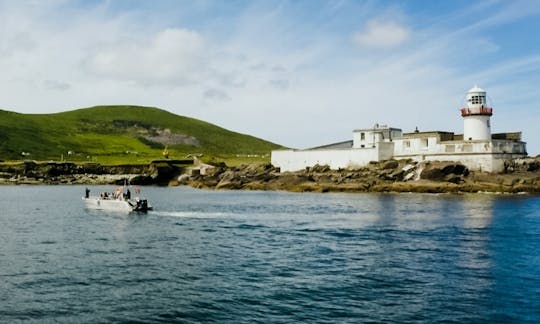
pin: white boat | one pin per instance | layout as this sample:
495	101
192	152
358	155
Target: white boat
118	201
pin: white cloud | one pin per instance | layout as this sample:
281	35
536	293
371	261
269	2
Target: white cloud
56	85
172	56
280	84
19	43
379	34
215	95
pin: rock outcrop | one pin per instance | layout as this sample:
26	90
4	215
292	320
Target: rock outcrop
31	172
521	175
393	175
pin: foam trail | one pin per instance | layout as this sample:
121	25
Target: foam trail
189	214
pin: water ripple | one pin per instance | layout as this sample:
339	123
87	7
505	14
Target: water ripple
259	257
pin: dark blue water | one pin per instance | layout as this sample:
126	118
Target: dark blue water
245	257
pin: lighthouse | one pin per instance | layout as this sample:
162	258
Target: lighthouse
476	116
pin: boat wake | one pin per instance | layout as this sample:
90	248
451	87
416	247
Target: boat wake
189	214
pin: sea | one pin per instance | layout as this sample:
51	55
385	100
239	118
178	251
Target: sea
269	257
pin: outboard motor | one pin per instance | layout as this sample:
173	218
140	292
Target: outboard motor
142	205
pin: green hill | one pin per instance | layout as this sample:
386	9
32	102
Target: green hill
120	134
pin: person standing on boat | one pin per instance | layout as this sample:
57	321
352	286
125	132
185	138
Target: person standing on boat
117	193
87	193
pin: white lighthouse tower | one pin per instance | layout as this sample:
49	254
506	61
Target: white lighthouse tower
476	116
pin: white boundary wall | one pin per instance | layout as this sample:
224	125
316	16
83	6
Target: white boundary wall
487	162
296	160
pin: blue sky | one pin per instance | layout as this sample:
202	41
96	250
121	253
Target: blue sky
298	73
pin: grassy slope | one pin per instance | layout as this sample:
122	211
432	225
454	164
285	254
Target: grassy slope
94	134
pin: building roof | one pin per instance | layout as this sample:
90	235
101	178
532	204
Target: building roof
510	136
339	145
377	128
443	136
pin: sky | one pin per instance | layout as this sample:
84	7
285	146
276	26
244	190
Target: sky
297	73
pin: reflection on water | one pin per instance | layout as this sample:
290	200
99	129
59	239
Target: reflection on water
477	211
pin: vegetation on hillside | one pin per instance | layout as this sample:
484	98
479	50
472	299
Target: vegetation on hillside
119	134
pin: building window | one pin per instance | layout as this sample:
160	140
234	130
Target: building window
424	142
362	136
407	144
450	148
477	100
488	123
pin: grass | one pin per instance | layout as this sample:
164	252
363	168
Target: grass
123	134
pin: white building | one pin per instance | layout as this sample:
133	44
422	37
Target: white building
477	147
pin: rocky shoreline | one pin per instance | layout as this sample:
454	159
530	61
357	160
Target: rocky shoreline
389	176
520	176
31	172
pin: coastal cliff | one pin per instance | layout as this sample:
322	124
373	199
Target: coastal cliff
521	175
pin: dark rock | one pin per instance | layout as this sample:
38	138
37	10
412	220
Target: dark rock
533	166
29	165
133	169
90	168
454	178
443	171
459	169
54	169
398	175
229	184
319	168
433	174
227	175
141	180
162	172
215	172
525	164
448	169
391	164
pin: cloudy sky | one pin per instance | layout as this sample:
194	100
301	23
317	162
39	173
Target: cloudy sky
298	73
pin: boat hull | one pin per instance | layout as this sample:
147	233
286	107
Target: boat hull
116	205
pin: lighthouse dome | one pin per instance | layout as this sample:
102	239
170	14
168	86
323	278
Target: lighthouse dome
476	89
476	97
